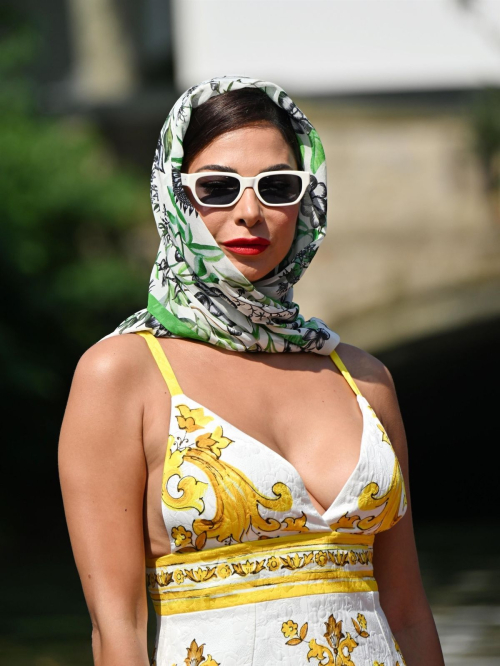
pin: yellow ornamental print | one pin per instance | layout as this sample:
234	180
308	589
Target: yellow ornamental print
365	557
390	501
223	570
195	656
296	561
237	499
383	509
191	490
200	575
346	646
245	568
295	524
273	563
289	629
163	578
321	558
180	535
398	650
214	441
360	626
345	522
192	419
339	645
339	558
385	436
179	576
319	652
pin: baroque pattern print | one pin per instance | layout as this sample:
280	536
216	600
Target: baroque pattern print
382	508
235	514
338	645
225	570
195	656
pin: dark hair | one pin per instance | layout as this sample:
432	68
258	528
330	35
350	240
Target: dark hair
231	111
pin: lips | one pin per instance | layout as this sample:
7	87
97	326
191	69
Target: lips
247	246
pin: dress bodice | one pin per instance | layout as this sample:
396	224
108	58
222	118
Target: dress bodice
221	486
241	525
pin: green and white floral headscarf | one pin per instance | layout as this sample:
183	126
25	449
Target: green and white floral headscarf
195	291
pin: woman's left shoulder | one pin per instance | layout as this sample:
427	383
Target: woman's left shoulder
373	379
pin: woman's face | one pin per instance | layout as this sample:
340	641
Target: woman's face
249	151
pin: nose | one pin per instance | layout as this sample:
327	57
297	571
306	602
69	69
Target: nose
248	209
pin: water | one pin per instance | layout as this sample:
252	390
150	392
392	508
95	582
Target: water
460	570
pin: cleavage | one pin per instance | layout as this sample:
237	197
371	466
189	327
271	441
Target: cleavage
306	413
328	481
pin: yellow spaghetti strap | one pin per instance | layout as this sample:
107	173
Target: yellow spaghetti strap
162	362
345	372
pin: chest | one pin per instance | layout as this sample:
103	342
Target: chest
299	408
253	451
221	486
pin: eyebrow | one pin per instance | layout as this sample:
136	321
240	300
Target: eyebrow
226	169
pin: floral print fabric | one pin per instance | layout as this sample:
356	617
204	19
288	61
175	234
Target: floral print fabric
195	291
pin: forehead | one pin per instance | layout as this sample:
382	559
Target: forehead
247	150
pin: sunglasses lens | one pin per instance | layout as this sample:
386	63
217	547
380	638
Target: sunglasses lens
280	189
217	190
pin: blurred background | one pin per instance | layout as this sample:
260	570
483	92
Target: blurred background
406	97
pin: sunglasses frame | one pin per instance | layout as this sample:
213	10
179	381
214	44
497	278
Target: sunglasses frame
189	180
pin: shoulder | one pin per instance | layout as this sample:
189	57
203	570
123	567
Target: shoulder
373	379
105	408
118	363
363	366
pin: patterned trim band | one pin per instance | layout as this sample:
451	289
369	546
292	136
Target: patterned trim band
233	575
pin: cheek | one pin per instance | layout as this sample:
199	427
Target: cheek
283	223
213	220
211	223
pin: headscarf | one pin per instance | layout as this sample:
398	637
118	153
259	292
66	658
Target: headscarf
195	291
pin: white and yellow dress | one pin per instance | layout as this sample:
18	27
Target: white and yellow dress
256	575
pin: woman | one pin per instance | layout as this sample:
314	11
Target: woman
251	486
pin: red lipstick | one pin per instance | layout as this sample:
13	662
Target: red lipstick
253	245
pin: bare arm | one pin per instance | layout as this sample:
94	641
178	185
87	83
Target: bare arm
103	475
396	565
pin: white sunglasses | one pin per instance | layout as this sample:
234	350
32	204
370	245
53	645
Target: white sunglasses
220	189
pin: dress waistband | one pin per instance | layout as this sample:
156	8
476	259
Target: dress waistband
261	570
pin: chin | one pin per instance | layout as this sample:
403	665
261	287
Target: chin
254	267
253	273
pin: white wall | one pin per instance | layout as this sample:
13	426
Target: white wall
313	47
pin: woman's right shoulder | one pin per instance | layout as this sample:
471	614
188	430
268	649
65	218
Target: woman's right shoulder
119	361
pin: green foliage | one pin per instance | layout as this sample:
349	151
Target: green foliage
68	217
